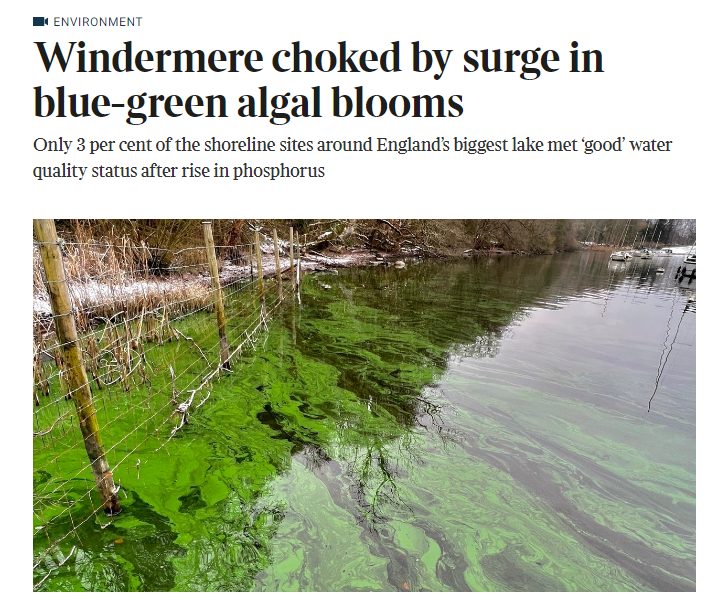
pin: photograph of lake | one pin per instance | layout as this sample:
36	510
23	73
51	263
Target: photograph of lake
364	405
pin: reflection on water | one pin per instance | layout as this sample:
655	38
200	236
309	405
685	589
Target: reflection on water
474	425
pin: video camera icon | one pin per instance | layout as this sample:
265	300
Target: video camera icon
40	21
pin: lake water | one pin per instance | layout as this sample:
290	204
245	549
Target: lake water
470	425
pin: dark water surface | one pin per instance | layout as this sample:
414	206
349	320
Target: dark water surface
471	425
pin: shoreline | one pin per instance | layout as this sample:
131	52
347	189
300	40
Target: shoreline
97	299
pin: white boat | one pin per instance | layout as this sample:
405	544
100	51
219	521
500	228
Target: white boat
691	259
645	254
620	256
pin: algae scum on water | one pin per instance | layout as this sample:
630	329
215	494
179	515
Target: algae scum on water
476	425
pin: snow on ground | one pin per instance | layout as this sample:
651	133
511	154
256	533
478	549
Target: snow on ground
93	295
98	297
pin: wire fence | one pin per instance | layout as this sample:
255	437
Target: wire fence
151	350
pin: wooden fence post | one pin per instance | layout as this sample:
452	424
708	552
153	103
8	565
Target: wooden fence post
218	299
277	264
259	266
76	376
291	257
298	259
251	261
298	268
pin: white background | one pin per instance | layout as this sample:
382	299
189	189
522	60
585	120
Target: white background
658	83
